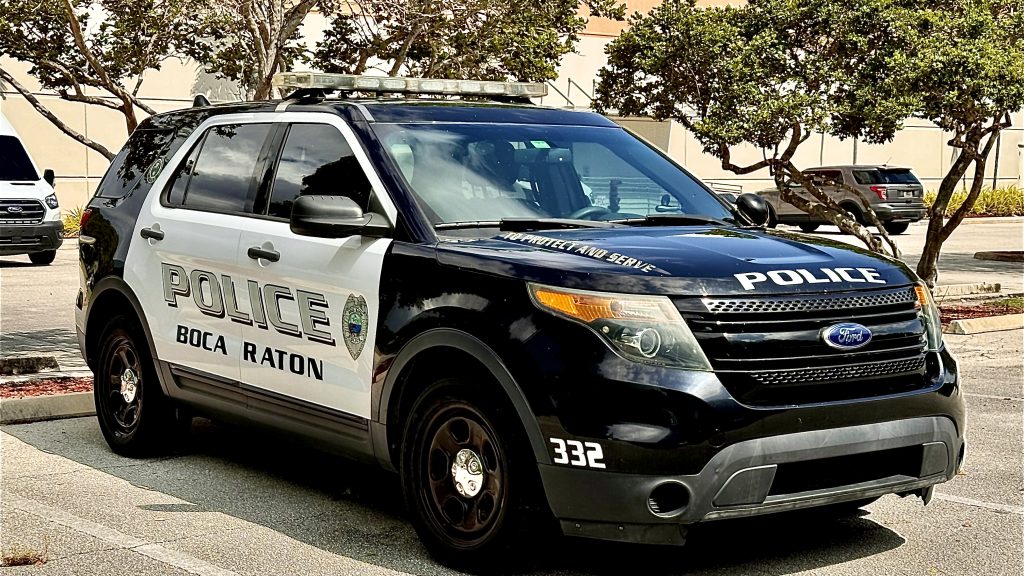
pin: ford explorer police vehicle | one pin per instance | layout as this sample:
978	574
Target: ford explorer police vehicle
534	317
29	213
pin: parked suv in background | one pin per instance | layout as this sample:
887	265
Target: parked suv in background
430	285
896	196
29	214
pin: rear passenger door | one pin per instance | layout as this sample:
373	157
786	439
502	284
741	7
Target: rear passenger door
182	263
314	345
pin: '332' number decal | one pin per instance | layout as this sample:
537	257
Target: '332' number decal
577	453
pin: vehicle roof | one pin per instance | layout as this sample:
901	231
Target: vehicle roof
860	167
397	110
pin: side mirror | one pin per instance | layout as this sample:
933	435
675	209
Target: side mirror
49	176
666	204
335	217
752	209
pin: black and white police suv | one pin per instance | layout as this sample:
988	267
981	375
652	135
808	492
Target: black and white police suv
532	316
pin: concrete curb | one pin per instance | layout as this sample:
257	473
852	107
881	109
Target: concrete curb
1001	256
36	408
986	324
27	364
943	291
46	375
990	220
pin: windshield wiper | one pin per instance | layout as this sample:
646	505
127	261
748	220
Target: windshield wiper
527	224
671	220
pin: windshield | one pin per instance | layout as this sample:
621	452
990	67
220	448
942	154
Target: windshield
490	172
14	163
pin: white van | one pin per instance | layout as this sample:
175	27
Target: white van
30	220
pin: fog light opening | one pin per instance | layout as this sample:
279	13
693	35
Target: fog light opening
668	499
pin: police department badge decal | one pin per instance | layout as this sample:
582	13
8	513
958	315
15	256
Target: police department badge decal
354	318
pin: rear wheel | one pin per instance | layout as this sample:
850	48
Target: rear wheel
896	227
809	227
773	219
468	477
855	212
43	258
134	415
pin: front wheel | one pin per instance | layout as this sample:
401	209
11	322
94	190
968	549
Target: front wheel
468	477
43	258
134	415
896	227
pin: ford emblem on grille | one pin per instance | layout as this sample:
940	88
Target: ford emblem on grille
14	209
846	336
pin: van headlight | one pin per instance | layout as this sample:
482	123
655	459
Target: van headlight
930	315
51	201
646	329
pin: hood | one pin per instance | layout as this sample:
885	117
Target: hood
37	190
695	260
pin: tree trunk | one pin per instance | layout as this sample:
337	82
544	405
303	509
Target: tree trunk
927	266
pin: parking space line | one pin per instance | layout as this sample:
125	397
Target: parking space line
1004	508
994	396
157	552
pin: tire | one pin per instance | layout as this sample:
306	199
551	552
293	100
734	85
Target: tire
855	212
896	227
809	227
480	523
43	258
134	415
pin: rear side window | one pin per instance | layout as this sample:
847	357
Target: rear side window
218	175
14	162
867	177
826	177
899	176
315	159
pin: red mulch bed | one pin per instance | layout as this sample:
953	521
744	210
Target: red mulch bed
952	312
45	387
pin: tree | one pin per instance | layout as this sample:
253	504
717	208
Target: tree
769	74
485	39
94	52
965	62
248	41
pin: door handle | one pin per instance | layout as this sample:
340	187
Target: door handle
257	253
152	233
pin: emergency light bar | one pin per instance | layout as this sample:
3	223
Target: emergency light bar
352	83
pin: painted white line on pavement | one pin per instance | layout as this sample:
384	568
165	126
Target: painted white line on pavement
155	551
994	396
1004	508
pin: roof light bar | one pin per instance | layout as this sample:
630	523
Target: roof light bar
352	83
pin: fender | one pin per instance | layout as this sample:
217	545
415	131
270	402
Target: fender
117	284
464	342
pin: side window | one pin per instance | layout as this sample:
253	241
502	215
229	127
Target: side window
219	172
315	159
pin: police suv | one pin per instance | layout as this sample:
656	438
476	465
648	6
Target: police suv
534	317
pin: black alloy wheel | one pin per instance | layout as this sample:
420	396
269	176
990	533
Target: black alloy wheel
468	478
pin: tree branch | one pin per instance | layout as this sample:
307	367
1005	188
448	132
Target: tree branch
25	93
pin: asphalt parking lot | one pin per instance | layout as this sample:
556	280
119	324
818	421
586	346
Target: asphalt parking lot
233	502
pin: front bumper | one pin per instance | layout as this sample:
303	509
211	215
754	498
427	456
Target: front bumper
758	476
42	237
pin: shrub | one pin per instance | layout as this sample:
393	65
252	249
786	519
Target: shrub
72	222
1005	201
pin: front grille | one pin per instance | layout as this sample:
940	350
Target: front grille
22	240
21	211
769	351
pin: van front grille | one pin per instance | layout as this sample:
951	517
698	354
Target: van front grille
21	212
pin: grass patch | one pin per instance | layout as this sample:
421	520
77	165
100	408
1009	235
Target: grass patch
20	556
1005	201
1013	303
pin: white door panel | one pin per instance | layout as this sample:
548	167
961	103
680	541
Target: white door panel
179	282
316	355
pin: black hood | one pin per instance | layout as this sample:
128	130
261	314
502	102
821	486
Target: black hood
678	260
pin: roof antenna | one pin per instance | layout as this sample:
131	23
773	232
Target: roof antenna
200	100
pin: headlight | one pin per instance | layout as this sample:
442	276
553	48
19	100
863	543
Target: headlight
645	329
931	316
51	201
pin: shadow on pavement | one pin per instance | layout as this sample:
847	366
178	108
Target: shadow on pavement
356	510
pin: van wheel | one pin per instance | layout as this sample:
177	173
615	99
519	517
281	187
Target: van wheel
468	477
43	258
809	227
896	227
134	415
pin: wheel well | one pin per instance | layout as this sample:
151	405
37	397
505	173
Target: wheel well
107	305
422	369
